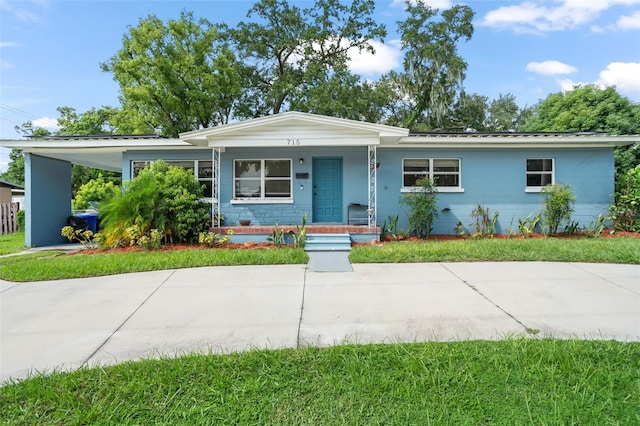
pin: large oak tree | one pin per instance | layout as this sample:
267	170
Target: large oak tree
299	56
179	75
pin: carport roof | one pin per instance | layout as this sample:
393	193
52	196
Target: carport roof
103	152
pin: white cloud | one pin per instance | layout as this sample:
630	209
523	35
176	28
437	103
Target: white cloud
566	84
23	11
533	17
8	44
5	64
550	68
631	22
386	58
435	4
46	123
625	76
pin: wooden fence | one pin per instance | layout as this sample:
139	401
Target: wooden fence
8	218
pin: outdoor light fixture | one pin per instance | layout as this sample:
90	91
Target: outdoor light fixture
301	187
301	161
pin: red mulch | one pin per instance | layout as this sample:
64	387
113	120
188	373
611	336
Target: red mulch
262	246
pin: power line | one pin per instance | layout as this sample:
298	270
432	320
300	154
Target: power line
18	111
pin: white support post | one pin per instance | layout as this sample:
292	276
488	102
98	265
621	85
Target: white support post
215	217
372	208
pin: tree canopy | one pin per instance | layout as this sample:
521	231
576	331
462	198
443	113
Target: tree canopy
178	75
586	109
433	71
298	57
591	109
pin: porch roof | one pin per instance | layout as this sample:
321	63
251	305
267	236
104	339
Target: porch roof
295	129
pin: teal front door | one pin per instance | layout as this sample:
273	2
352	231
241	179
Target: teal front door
327	190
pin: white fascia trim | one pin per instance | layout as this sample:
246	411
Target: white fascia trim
293	143
516	142
261	201
88	143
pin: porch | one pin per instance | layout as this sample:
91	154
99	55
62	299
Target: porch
258	233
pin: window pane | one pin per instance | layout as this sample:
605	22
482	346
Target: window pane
540	165
277	168
446	165
208	188
534	165
416	165
446	180
534	180
205	169
247	168
412	179
139	165
188	165
277	188
248	188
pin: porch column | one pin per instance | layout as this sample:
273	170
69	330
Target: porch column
216	188
47	199
372	208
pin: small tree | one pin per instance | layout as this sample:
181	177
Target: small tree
625	213
558	206
161	198
423	208
96	190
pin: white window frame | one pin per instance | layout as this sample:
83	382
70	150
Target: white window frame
262	199
195	168
431	174
552	173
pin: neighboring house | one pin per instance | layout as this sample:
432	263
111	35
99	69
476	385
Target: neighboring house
276	169
11	193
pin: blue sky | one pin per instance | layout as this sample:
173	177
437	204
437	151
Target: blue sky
50	50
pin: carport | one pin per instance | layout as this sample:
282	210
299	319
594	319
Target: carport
47	169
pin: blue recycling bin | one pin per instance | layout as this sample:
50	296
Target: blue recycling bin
92	220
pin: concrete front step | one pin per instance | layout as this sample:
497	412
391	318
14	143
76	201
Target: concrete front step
328	242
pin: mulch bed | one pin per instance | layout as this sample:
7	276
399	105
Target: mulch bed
270	246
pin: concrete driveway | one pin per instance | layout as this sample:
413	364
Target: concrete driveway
67	324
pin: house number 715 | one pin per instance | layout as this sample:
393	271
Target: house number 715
293	142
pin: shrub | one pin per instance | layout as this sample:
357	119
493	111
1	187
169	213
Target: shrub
84	236
162	198
558	206
485	223
96	190
423	208
625	213
528	225
20	220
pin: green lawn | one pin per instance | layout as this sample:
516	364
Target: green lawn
599	250
58	265
52	265
11	243
510	382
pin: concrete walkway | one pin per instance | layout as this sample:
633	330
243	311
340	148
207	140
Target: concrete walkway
83	322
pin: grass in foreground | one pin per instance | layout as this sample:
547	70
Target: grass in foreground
11	243
514	381
594	250
61	266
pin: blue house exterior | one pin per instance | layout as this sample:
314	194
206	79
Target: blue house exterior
336	172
